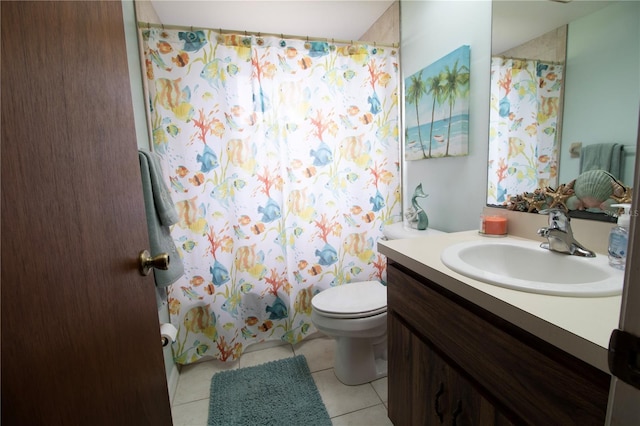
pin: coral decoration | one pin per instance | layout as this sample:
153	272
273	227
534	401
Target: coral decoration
219	240
277	282
226	351
207	124
380	264
502	168
326	227
373	74
376	171
267	180
320	123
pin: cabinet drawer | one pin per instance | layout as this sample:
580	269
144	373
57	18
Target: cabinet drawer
529	377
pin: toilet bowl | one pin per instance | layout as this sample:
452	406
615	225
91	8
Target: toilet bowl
355	315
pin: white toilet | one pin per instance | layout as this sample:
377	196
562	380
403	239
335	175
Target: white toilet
399	230
355	315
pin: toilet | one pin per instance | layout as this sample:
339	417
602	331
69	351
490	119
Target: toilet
399	230
355	315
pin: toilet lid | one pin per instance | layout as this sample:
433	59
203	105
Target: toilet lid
353	300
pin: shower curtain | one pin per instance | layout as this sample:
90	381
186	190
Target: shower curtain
523	127
283	160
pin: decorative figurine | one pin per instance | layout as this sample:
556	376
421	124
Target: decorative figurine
420	215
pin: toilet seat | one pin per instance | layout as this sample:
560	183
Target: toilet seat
354	300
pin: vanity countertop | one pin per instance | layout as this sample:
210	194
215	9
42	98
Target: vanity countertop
580	326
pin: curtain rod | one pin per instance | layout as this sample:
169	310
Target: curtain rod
143	25
527	59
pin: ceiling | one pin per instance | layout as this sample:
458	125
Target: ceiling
341	20
514	21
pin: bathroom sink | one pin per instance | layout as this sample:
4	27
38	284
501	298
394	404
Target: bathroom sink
524	265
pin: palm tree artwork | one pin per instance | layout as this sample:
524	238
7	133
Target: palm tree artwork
439	93
415	91
435	90
456	85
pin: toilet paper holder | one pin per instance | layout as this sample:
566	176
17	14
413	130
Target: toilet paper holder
168	334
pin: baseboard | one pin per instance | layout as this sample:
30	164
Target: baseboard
172	382
272	343
263	345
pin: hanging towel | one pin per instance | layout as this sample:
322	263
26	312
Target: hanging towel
161	214
603	156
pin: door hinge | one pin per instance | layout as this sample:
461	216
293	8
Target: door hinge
624	357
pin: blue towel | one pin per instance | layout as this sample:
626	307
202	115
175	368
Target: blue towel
161	214
603	156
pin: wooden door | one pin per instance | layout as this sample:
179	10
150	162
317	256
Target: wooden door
80	334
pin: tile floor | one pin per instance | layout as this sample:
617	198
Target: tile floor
347	405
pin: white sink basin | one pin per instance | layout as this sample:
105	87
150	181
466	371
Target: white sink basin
524	265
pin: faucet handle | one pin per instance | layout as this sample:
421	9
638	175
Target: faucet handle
558	218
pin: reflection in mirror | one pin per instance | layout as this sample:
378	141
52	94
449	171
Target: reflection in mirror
564	100
593	192
523	125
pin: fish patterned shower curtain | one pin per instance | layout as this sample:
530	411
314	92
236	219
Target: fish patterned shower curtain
523	127
283	160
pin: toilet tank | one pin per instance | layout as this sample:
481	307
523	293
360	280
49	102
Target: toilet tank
398	230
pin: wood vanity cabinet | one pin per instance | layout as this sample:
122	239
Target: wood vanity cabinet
426	390
452	362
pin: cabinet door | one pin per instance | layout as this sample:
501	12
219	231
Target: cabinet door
425	390
416	385
467	406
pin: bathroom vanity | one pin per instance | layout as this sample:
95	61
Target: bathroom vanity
468	353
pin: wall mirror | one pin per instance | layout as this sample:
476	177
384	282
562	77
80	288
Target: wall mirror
564	101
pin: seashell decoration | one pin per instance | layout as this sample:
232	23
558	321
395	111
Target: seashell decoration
594	190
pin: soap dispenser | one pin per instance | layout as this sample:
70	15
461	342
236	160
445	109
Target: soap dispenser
619	238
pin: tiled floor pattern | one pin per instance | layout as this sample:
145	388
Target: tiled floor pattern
363	405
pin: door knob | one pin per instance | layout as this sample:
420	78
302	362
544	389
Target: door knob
147	262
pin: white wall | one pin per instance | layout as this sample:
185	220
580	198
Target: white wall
456	185
135	76
603	44
143	141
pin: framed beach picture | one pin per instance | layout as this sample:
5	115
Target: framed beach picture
437	108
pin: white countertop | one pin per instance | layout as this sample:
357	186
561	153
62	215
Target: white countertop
580	326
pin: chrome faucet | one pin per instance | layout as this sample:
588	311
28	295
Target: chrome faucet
559	235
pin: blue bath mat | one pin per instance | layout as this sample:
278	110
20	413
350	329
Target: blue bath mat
275	393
